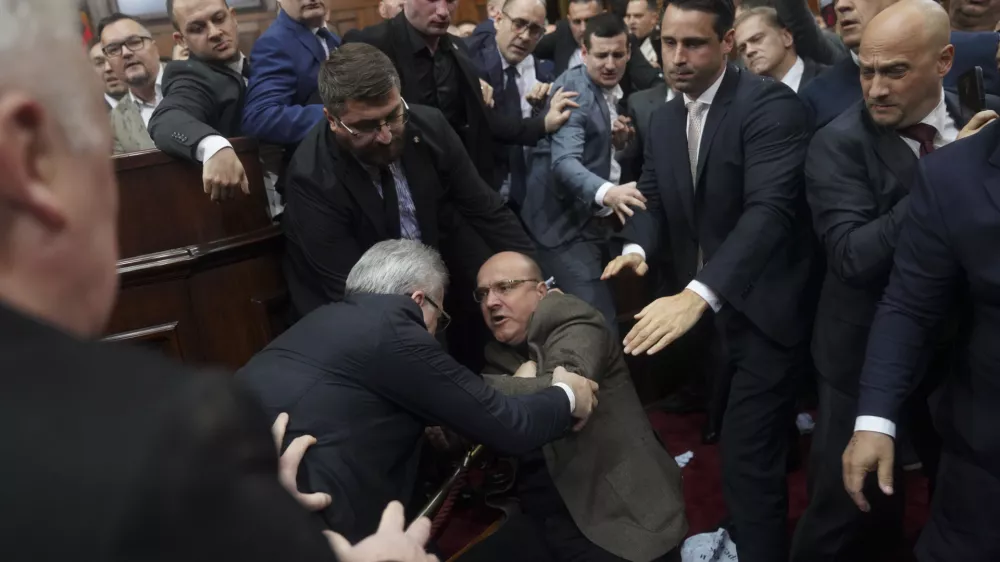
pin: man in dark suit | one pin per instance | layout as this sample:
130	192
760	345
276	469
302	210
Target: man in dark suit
203	96
767	49
434	69
563	47
579	493
857	179
120	454
642	17
576	198
366	377
282	101
840	87
732	203
640	109
503	57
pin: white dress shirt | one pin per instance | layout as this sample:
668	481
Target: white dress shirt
526	79
947	132
698	287
146	109
576	59
648	51
671	94
111	101
793	78
208	146
322	42
611	98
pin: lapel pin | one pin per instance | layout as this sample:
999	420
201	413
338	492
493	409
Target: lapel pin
416	140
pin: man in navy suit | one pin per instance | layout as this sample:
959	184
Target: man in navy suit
282	100
946	261
502	56
839	87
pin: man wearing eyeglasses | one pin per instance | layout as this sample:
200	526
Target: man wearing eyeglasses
114	89
133	57
366	376
609	492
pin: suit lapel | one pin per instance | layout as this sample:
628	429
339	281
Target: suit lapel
357	181
716	113
676	128
892	151
954	109
992	182
308	39
417	165
602	103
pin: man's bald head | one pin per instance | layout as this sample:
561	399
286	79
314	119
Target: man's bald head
509	287
904	56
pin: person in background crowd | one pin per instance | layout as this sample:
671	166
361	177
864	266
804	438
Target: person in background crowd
725	192
974	15
579	503
146	460
388	9
366	376
520	81
564	47
435	70
114	89
203	95
180	52
133	57
641	17
282	98
768	49
575	199
856	174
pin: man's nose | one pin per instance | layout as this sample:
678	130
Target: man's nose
492	301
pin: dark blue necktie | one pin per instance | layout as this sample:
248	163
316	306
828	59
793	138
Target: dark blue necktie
327	36
510	107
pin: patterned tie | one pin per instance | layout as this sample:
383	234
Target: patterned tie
922	133
696	114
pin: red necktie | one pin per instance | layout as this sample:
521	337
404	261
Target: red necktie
922	133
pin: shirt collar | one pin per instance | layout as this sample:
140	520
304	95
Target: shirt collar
158	89
938	117
315	30
854	57
527	62
794	74
417	41
111	101
615	94
708	96
237	66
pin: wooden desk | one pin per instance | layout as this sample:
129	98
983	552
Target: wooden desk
200	281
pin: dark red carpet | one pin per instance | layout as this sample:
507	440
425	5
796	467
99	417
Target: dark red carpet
702	489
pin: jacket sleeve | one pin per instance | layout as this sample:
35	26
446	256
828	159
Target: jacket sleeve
644	227
269	113
576	337
567	146
416	373
810	41
859	242
179	123
775	137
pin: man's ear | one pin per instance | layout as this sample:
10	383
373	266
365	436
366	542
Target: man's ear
331	119
418	297
27	158
179	39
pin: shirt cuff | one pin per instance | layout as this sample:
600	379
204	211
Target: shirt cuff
208	146
704	292
569	394
601	192
876	424
631	248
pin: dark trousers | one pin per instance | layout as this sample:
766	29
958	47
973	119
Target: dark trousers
755	437
832	527
965	512
577	267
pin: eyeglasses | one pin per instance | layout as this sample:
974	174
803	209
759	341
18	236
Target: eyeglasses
134	43
519	24
398	119
501	288
445	318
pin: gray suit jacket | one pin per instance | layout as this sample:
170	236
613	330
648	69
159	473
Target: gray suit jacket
619	484
129	131
566	169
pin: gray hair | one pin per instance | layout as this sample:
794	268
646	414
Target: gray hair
398	267
356	71
42	54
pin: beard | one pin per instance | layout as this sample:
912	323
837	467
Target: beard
376	154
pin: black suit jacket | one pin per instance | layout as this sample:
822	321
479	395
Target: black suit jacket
200	99
947	248
640	109
857	183
333	213
116	454
559	47
811	70
485	125
747	211
365	378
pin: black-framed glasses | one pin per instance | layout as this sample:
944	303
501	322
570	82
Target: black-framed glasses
520	24
445	320
398	119
501	288
135	43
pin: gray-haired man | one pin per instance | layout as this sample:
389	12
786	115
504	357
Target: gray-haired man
365	377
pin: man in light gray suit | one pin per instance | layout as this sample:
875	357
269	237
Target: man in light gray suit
605	493
573	193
